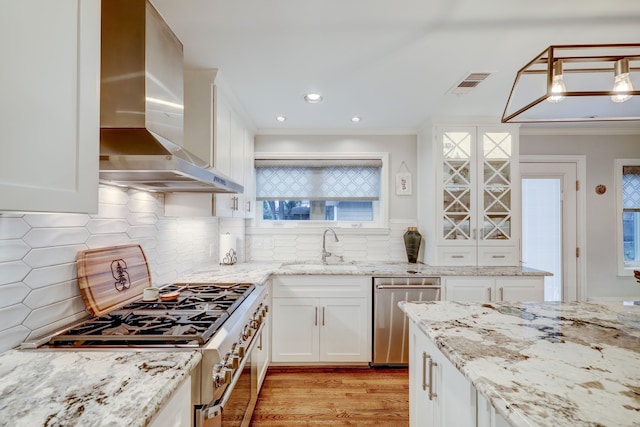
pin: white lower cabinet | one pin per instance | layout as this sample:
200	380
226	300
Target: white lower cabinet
439	395
321	319
487	415
177	411
491	288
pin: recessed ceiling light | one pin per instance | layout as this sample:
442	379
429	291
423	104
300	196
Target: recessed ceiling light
281	118
355	119
313	98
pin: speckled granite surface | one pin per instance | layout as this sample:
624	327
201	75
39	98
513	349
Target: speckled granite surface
542	364
246	272
84	388
255	272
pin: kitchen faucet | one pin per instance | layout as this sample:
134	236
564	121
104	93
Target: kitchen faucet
325	253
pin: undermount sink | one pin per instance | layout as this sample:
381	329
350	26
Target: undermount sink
319	267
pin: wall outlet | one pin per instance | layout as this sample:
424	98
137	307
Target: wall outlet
263	243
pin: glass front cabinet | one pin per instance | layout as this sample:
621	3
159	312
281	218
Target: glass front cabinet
477	196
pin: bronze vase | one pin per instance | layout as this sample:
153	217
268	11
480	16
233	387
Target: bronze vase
412	239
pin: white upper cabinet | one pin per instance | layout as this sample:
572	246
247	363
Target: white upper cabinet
249	205
216	132
50	79
476	191
234	149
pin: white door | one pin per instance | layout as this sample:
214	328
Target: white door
549	225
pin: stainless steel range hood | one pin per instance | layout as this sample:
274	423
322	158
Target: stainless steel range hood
142	108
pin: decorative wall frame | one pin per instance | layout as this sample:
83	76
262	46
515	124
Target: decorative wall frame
403	181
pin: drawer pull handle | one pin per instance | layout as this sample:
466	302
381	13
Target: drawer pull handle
424	371
457	256
498	256
431	392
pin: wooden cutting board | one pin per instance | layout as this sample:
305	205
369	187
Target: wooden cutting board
111	277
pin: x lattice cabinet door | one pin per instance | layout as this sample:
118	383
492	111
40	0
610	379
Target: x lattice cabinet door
477	196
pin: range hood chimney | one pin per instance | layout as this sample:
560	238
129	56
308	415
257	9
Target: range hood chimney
142	107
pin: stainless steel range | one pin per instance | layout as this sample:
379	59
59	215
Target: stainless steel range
222	320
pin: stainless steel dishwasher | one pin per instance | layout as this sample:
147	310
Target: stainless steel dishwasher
390	325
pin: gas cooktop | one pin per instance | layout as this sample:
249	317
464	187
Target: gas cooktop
191	320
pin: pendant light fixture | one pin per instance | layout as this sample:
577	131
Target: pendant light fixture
581	83
622	81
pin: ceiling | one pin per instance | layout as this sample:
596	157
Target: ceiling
392	63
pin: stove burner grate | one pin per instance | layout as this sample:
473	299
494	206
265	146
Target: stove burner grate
125	328
191	320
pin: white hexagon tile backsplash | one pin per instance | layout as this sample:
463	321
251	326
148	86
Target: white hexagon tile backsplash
38	278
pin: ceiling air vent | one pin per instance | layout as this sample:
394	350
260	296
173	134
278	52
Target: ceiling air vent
469	82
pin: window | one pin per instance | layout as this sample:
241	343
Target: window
628	192
321	188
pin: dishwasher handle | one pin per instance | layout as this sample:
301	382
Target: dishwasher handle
407	287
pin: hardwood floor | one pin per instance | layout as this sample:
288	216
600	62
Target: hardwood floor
350	396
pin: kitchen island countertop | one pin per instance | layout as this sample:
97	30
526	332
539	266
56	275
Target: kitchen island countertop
88	388
541	363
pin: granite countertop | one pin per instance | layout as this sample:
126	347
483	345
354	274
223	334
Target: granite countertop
543	363
88	388
244	272
106	388
259	272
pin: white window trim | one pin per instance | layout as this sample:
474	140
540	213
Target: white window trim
381	215
619	163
